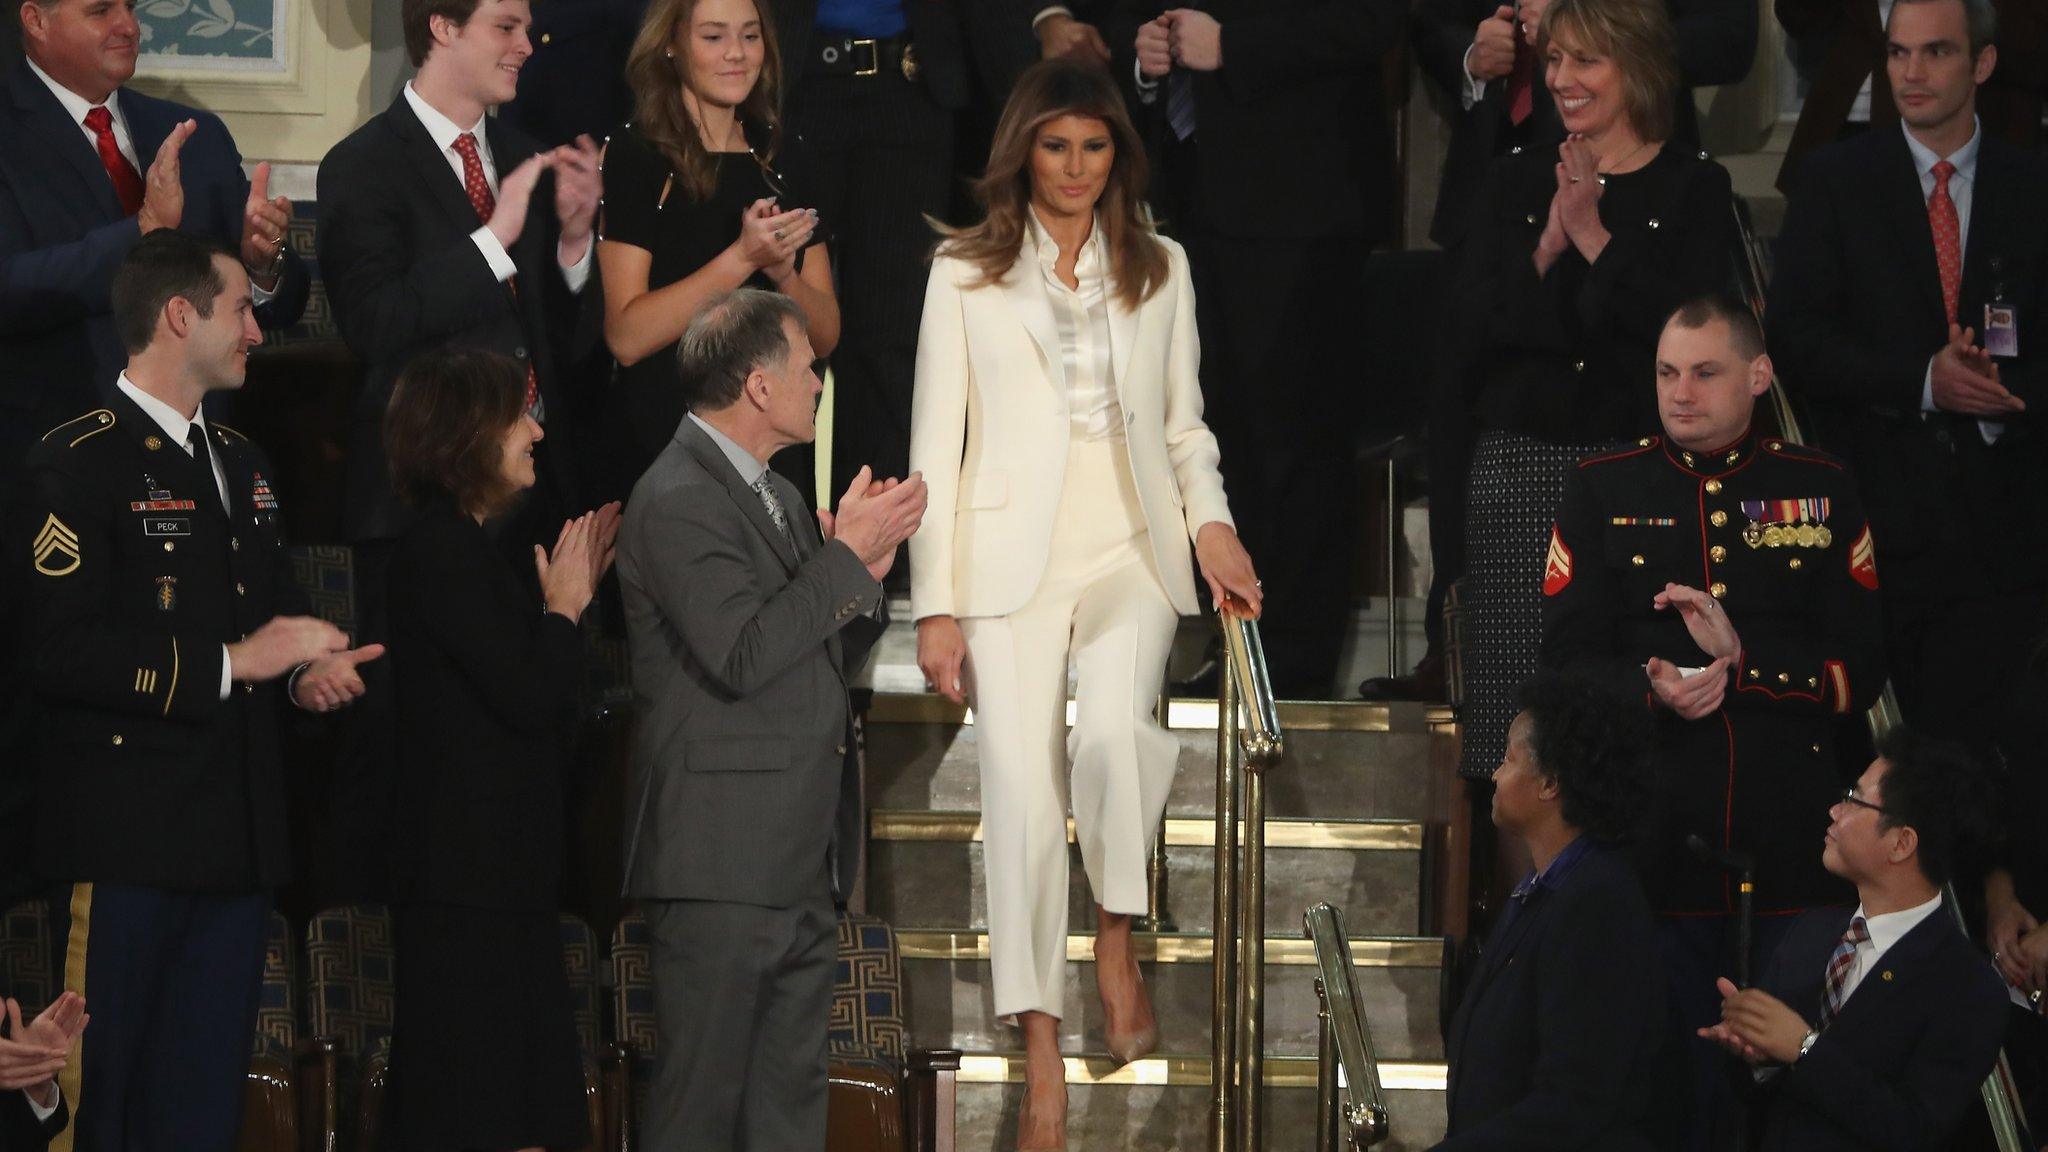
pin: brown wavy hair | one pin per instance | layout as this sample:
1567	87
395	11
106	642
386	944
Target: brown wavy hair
1638	36
660	114
1045	92
445	429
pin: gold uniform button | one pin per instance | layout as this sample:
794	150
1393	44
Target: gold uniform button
117	740
1530	218
1816	749
170	545
239	590
234	544
547	37
1813	681
1784	677
1717	590
1797	563
1578	365
1653	223
1717	553
248	688
1754	674
1636	560
1719	519
1713	487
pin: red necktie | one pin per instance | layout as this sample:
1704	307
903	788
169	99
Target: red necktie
480	198
1522	82
1948	239
127	181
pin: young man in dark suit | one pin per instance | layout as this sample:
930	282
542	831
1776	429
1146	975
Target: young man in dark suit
1872	1029
163	640
440	226
1909	309
1561	1040
1272	164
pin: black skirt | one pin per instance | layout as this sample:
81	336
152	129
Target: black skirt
484	1051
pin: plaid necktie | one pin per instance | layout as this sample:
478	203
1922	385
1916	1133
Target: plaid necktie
481	199
773	503
1839	963
1948	239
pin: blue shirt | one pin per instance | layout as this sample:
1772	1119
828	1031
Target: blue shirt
872	19
1548	880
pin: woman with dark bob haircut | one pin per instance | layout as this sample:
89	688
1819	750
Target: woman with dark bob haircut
484	1049
1563	1039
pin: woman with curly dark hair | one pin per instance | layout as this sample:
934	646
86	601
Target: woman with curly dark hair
1563	1039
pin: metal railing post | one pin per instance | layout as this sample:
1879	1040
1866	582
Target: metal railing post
1223	1011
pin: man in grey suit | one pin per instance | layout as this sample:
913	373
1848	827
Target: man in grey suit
746	620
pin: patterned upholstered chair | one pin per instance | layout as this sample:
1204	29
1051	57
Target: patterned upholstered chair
28	970
883	1097
274	1111
579	959
326	574
349	994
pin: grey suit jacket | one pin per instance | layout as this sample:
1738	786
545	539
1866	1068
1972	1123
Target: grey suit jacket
743	776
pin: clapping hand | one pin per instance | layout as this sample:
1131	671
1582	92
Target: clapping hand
770	239
515	193
1062	35
1693	697
1492	54
264	221
1704	619
583	552
1194	39
32	1055
1577	202
1756	1025
579	187
874	518
332	682
1155	47
1227	568
163	186
1964	378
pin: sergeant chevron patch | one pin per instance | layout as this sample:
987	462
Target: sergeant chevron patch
1557	566
1863	560
56	548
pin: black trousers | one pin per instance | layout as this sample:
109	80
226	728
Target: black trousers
172	981
1283	387
882	154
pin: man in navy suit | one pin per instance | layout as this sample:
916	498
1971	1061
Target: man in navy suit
1872	1029
1560	1041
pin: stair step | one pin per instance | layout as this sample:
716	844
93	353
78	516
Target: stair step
1162	1103
1188	832
1343	760
938	884
946	978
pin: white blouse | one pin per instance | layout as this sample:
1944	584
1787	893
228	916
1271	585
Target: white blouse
1082	317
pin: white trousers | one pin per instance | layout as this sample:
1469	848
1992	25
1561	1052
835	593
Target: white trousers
1100	600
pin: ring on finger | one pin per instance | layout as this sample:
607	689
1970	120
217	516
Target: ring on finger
777	233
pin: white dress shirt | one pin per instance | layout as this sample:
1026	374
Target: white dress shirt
176	429
444	132
1885	931
1962	185
1081	316
76	107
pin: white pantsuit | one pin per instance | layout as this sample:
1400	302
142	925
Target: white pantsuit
1061	436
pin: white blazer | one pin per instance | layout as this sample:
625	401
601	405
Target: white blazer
990	429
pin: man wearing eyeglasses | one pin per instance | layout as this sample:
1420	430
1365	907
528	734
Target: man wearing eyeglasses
1727	579
1873	1028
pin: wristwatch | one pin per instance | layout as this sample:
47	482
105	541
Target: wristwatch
1806	1043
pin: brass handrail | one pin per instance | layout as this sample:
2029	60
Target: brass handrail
1343	1042
1248	741
2001	1096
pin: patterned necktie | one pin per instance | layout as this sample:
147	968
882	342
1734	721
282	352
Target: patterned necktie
127	181
1522	82
1839	963
1948	239
1180	103
773	503
481	199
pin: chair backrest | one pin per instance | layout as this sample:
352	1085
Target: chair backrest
349	976
867	995
633	986
28	972
579	960
326	574
277	1012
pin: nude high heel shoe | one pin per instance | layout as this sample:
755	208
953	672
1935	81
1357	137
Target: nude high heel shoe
1136	1043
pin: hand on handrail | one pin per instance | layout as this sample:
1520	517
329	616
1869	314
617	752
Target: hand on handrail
1228	569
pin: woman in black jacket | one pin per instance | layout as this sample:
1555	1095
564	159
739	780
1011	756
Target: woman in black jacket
1576	255
484	1050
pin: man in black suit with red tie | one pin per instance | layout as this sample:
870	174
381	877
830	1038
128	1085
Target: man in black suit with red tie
1908	310
441	226
1872	1028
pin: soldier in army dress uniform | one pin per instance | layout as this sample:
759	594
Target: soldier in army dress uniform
1731	581
158	652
